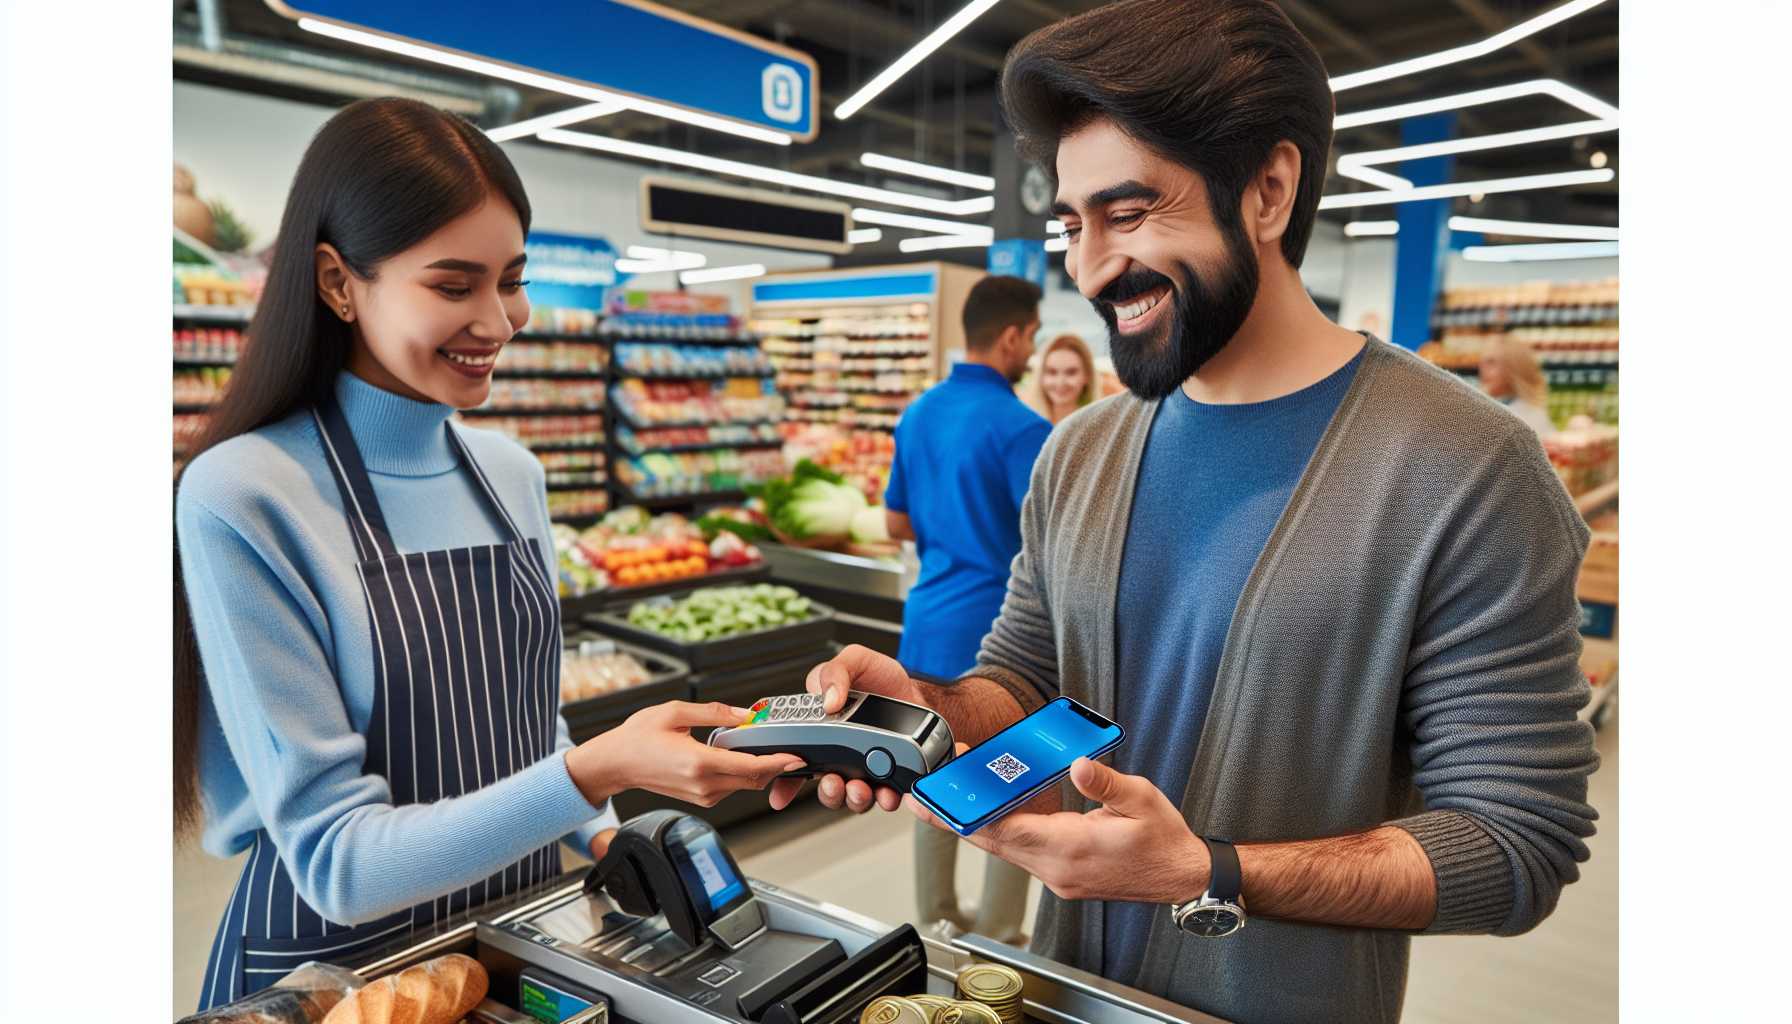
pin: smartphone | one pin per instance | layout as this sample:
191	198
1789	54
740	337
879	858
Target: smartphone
1011	767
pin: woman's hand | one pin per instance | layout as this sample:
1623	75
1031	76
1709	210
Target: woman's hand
654	751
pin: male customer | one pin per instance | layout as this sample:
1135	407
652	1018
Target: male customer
964	456
1327	588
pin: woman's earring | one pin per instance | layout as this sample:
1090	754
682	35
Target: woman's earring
345	309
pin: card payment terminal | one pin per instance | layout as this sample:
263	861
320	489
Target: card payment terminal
876	739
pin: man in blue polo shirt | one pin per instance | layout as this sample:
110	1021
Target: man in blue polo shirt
964	455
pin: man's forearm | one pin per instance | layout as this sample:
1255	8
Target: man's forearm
975	708
1375	879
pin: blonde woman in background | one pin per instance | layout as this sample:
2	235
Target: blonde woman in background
1066	379
1510	373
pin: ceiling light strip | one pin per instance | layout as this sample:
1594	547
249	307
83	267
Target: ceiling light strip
558	119
1455	55
1372	228
928	243
1450	190
1577	98
890	219
1535	229
864	236
982	182
1060	243
1540	251
715	274
789	179
539	81
915	55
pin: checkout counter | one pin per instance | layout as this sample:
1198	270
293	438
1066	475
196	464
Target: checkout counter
595	949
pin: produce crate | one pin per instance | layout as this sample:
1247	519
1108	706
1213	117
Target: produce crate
743	650
597	600
669	680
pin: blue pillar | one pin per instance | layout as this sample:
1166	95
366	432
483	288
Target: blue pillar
1424	238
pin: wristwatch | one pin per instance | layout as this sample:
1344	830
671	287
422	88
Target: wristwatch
1219	911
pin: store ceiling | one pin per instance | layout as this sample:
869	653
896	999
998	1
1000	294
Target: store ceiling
944	111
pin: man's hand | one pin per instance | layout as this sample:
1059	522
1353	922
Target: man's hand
1135	846
854	668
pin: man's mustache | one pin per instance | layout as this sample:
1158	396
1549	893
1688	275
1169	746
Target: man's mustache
1132	284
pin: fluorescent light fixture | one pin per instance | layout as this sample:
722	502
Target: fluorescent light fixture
916	54
540	81
1456	55
1058	244
905	220
714	274
1055	226
1535	229
770	175
1346	200
928	243
661	264
864	236
1356	165
1371	228
1580	100
928	171
1540	251
649	252
558	119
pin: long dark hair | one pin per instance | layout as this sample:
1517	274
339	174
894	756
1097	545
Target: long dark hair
379	177
1211	84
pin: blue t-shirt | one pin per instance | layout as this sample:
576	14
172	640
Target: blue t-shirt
1212	483
964	456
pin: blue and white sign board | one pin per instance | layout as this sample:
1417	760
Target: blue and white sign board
1019	257
570	271
875	286
623	46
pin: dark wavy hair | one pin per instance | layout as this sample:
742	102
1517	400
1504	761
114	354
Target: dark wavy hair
379	177
1210	84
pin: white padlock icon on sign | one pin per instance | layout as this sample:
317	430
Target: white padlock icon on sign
782	93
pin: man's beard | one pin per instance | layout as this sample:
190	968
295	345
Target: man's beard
1203	318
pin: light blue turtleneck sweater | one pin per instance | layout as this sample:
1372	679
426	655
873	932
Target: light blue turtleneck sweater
288	651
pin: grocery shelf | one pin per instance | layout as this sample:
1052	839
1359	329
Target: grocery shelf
202	363
564	446
585	338
635	424
671	449
549	374
579	521
751	374
213	314
190	407
677	500
583	485
731	342
556	410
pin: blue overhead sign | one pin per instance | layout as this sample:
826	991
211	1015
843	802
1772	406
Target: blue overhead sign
623	46
570	271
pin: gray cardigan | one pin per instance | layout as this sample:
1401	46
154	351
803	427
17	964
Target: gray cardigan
1405	651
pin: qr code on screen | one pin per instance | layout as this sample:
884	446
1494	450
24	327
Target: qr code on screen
1008	767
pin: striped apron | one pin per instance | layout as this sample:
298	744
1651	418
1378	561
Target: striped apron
467	687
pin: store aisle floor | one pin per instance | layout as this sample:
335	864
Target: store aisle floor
1566	970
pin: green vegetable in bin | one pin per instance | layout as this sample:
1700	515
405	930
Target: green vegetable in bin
715	612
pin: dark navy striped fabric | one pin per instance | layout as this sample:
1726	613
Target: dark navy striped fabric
467	666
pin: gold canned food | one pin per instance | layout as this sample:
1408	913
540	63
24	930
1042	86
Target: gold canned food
990	983
967	1012
894	1010
932	1004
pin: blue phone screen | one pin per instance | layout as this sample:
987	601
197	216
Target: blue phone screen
1006	767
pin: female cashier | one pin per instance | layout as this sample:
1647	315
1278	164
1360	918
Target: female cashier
368	642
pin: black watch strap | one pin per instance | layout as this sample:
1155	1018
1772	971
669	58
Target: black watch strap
1225	880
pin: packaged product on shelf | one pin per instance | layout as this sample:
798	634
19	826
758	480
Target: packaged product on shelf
544	394
674	474
205	285
569	504
553	357
557	320
207	344
200	386
537	431
734	399
690	360
719	435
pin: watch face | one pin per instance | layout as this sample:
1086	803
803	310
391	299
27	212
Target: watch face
1211	922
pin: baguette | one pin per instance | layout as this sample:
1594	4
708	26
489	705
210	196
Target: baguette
439	991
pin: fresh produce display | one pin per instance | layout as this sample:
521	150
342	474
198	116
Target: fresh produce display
578	576
811	504
596	668
553	357
721	435
628	548
207	344
648	403
863	457
507	395
669	474
715	612
200	387
745	523
690	360
541	431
